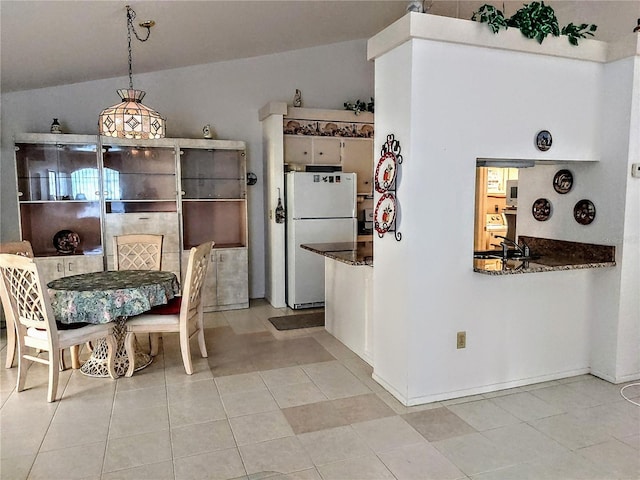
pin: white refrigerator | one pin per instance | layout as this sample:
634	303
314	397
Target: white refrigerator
321	208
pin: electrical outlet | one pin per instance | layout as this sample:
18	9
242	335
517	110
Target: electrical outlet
461	341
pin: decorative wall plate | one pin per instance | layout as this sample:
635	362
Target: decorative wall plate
385	172
252	178
66	241
385	213
541	209
584	212
563	181
543	140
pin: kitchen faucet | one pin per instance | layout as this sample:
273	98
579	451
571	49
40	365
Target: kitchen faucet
523	249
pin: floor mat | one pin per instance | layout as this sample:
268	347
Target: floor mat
301	320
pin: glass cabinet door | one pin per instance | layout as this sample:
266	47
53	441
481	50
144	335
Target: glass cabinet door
57	172
59	189
139	179
213	197
212	174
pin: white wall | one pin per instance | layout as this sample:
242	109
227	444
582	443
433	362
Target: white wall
628	353
616	337
449	104
228	95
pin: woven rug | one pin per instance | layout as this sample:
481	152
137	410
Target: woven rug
301	320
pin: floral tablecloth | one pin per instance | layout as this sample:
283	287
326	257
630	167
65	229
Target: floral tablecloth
102	297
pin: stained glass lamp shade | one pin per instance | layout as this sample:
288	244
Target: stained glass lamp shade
131	118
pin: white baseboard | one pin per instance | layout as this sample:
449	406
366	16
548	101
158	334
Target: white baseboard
616	380
410	402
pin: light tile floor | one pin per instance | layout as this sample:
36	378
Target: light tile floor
300	405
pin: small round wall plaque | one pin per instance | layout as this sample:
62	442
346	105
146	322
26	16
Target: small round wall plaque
584	212
543	140
541	209
563	181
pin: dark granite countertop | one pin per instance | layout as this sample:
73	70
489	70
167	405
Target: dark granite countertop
554	255
351	253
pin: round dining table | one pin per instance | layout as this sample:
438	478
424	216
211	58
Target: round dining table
110	296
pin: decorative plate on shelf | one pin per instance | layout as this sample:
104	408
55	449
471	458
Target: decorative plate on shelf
385	172
66	241
385	213
563	181
541	209
584	212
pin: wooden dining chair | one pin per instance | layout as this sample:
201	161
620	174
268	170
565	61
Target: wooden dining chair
24	248
187	322
35	326
18	248
137	252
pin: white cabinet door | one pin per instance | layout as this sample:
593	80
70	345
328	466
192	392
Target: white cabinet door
209	293
357	157
226	285
76	265
232	278
307	150
297	150
326	150
51	268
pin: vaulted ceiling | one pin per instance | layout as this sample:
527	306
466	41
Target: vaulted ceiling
46	43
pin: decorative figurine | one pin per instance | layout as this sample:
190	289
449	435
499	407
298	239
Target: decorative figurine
207	131
415	6
297	98
280	213
55	126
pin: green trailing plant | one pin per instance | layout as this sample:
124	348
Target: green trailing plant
360	106
578	31
490	15
535	20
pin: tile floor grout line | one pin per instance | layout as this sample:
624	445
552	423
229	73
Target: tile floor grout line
106	443
166	392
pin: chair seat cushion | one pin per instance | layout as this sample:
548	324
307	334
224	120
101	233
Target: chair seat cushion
37	333
170	308
79	335
151	320
75	336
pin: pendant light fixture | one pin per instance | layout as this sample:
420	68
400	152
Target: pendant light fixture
130	118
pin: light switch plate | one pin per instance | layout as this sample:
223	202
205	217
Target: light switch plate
635	170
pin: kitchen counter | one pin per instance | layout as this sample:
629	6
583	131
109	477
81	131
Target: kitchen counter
348	293
351	253
554	255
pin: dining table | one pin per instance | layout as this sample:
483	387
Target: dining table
110	296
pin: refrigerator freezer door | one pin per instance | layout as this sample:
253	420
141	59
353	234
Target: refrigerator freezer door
321	195
305	269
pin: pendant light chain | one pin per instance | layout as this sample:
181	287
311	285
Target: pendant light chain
130	17
131	118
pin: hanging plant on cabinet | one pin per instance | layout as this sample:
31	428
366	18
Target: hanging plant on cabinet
360	106
534	20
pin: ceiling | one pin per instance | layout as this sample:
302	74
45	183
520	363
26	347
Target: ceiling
46	43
